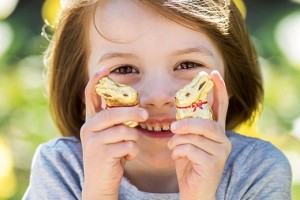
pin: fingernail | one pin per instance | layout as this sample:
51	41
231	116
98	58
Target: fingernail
174	126
143	114
101	71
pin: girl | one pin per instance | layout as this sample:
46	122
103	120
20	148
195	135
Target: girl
156	47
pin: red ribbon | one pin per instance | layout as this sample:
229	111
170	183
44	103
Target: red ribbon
194	105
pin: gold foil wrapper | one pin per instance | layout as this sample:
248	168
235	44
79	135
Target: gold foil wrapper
191	101
117	95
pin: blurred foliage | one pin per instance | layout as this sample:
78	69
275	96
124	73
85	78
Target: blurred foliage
24	115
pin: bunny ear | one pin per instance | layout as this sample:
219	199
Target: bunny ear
220	103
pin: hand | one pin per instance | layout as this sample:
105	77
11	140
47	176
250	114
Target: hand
106	144
201	148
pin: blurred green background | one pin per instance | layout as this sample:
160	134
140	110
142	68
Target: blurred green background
24	115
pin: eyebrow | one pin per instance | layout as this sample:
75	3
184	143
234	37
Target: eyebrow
202	50
109	56
114	55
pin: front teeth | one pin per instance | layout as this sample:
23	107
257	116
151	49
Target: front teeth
156	127
144	126
150	128
166	127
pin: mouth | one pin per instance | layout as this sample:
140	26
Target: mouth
156	129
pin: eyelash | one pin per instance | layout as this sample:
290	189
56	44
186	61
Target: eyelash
127	69
188	65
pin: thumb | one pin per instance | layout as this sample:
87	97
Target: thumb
92	100
220	104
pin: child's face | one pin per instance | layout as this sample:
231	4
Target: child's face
152	52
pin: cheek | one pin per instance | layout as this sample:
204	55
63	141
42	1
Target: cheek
91	69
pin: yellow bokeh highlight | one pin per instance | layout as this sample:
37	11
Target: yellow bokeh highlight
241	6
50	11
249	128
7	176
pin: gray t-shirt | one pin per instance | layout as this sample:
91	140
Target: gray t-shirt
255	169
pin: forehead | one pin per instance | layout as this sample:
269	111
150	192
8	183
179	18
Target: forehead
123	20
131	25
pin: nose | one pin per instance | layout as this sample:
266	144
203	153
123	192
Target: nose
157	92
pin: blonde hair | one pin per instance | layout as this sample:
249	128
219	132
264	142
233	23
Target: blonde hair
67	56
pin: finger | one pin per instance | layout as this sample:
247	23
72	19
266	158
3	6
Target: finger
114	116
126	149
116	134
220	103
115	150
92	100
192	153
198	141
198	126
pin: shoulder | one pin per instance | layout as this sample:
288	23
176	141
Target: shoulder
256	168
254	150
56	170
62	142
62	145
63	152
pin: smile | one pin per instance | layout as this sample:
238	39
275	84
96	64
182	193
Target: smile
158	127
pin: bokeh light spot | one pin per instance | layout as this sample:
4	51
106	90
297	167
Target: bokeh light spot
296	1
241	6
296	128
6	38
50	11
7	7
294	158
287	37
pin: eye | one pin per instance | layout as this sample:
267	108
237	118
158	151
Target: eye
125	69
188	65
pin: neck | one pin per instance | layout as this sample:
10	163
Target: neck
154	181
